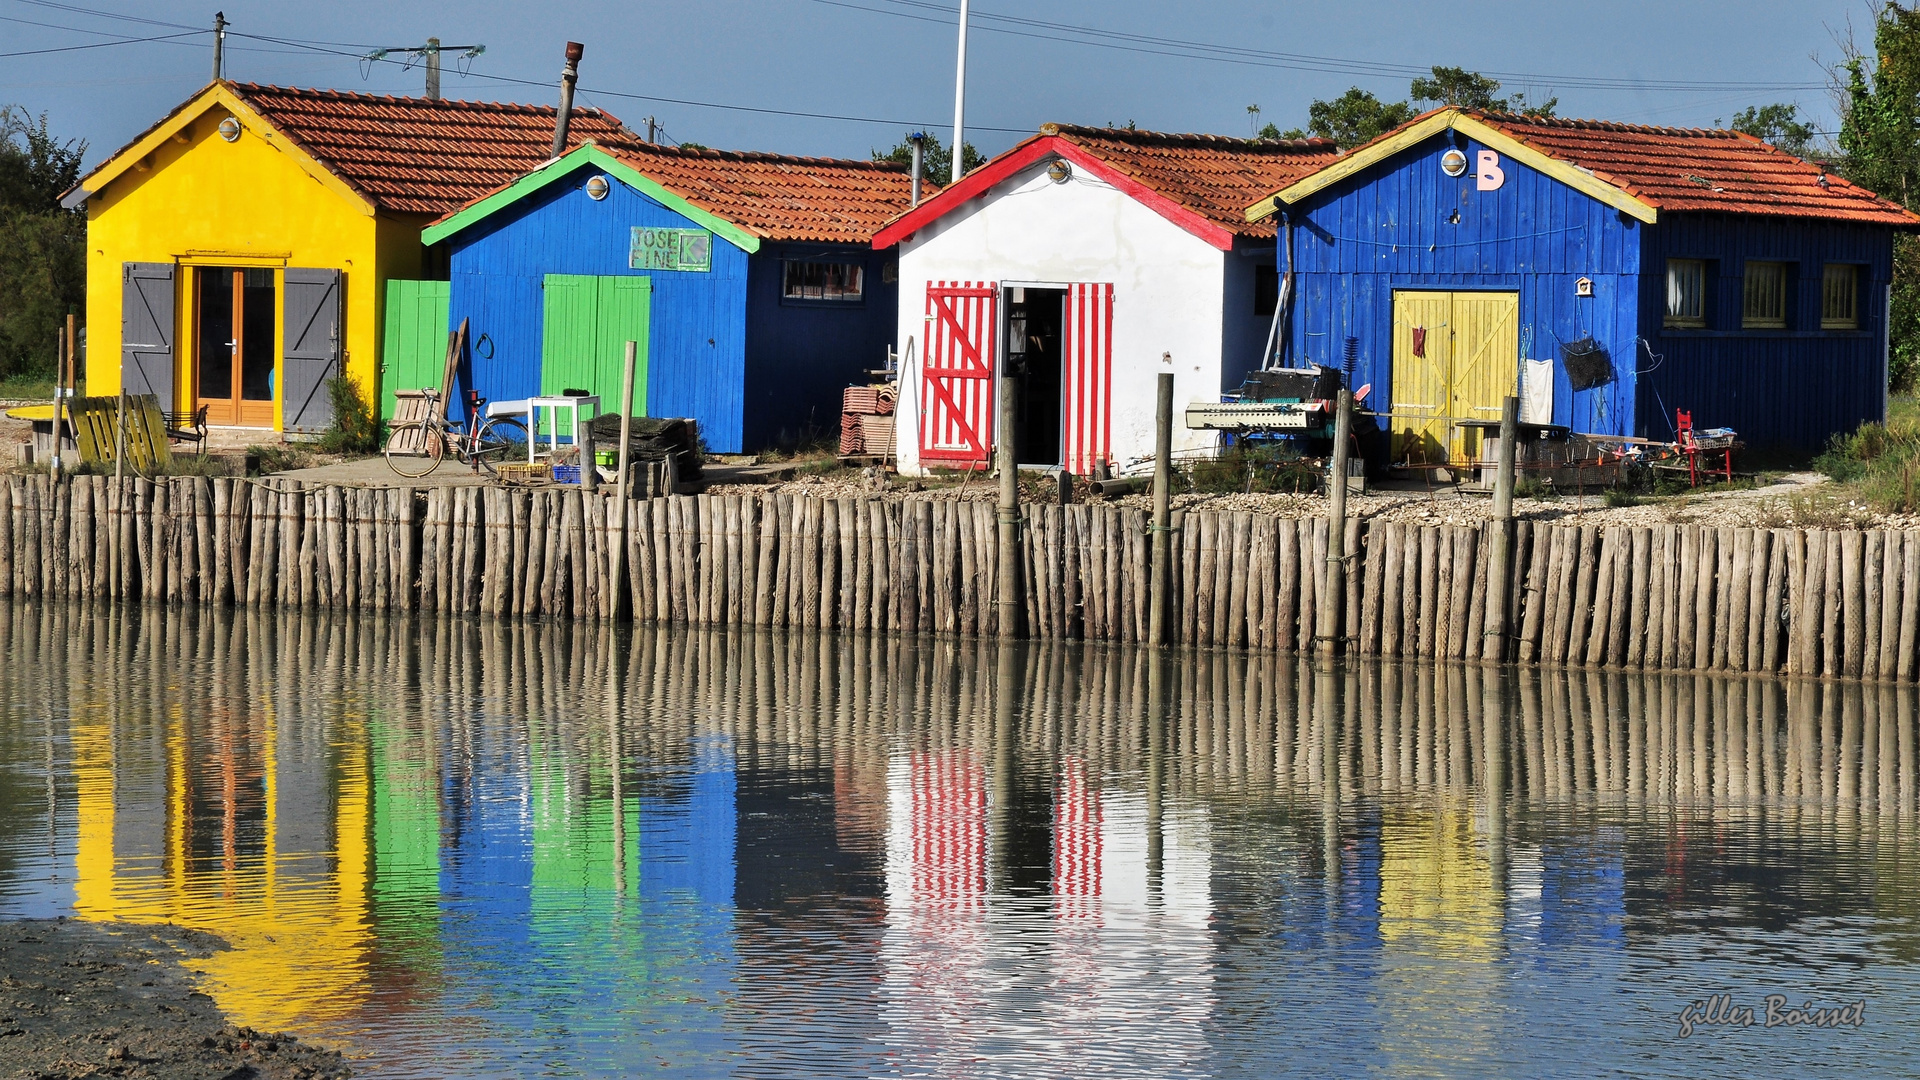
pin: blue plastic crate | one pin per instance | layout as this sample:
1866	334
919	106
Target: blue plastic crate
566	474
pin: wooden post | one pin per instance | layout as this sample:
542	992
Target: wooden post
616	573
1500	543
62	365
583	441
1333	596
1007	598
1162	516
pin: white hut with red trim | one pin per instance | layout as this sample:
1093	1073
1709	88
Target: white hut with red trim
1088	260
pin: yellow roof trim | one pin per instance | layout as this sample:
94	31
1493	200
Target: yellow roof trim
1452	119
219	94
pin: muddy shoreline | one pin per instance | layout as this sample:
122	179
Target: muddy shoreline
86	999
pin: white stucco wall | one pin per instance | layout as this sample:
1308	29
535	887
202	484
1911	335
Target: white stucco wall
1167	292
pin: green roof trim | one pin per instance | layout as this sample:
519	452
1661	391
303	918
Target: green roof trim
564	166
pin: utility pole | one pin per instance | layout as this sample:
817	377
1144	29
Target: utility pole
960	101
433	68
219	42
651	125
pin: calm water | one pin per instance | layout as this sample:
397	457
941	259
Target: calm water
466	849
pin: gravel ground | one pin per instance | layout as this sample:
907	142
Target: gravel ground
84	999
1805	500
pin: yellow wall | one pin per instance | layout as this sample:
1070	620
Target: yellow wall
201	200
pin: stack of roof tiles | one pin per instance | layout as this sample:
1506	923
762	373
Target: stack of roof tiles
421	155
1213	175
866	421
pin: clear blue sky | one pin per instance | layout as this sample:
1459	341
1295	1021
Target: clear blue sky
892	60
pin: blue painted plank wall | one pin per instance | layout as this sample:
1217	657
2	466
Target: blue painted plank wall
1794	387
801	354
1394	227
696	358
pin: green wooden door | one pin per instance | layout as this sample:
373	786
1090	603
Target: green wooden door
587	322
413	348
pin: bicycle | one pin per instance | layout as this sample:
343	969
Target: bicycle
416	448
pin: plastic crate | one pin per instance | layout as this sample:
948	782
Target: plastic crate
566	474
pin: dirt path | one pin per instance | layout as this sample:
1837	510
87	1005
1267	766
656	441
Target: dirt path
81	999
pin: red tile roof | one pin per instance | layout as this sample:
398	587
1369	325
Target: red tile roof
420	155
1214	176
775	196
1700	170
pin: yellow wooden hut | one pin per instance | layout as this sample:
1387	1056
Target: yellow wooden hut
238	251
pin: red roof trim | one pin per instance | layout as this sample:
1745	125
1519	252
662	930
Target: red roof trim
1029	153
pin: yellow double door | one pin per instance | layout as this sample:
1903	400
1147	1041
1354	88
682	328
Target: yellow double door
1455	356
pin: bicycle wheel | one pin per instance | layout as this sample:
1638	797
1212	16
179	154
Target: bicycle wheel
503	439
414	450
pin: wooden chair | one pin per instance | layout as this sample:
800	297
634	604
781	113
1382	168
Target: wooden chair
188	426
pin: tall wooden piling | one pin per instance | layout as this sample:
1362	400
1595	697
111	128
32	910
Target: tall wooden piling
1333	596
1162	511
1007	595
1493	646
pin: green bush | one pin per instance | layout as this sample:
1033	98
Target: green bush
1882	461
355	429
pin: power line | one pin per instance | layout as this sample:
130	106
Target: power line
1098	37
92	45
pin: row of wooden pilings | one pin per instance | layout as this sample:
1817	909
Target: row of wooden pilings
1673	597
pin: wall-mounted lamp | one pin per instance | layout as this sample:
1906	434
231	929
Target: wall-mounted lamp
597	188
1060	171
230	129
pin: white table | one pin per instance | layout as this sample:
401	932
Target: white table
553	405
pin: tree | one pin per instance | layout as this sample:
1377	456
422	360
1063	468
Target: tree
1778	124
42	247
1354	117
1879	111
1472	90
937	165
1357	116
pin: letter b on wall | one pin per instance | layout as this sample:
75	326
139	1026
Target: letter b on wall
1486	173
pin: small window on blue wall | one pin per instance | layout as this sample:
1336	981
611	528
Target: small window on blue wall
1266	290
832	282
1686	293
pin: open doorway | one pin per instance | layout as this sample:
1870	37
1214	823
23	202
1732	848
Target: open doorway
233	345
1035	318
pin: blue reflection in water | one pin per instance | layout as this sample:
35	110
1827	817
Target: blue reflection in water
479	850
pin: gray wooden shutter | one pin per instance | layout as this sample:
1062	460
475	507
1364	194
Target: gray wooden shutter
146	330
312	353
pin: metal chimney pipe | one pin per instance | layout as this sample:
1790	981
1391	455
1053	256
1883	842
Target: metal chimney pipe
919	141
568	76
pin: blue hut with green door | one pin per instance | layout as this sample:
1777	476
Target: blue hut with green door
748	279
1613	274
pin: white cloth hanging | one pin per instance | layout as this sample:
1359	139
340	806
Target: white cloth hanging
1536	391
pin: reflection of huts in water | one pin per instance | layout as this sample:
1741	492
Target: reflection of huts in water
466	784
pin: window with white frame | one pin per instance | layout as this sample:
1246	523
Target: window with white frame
1840	297
1686	293
1763	303
831	281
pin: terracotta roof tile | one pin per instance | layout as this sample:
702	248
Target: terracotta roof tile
776	196
1695	170
421	155
1213	175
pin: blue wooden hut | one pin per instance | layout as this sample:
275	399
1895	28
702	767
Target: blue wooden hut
749	279
1615	274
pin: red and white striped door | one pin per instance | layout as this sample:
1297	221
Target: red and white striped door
1086	364
956	399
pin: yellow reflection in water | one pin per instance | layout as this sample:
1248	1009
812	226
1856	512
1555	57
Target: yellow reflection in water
295	914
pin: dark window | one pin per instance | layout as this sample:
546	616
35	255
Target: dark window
1840	297
824	281
1266	290
1764	296
1686	293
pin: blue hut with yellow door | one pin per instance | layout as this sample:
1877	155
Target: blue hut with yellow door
1612	274
748	280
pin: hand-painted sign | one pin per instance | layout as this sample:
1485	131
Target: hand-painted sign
671	249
